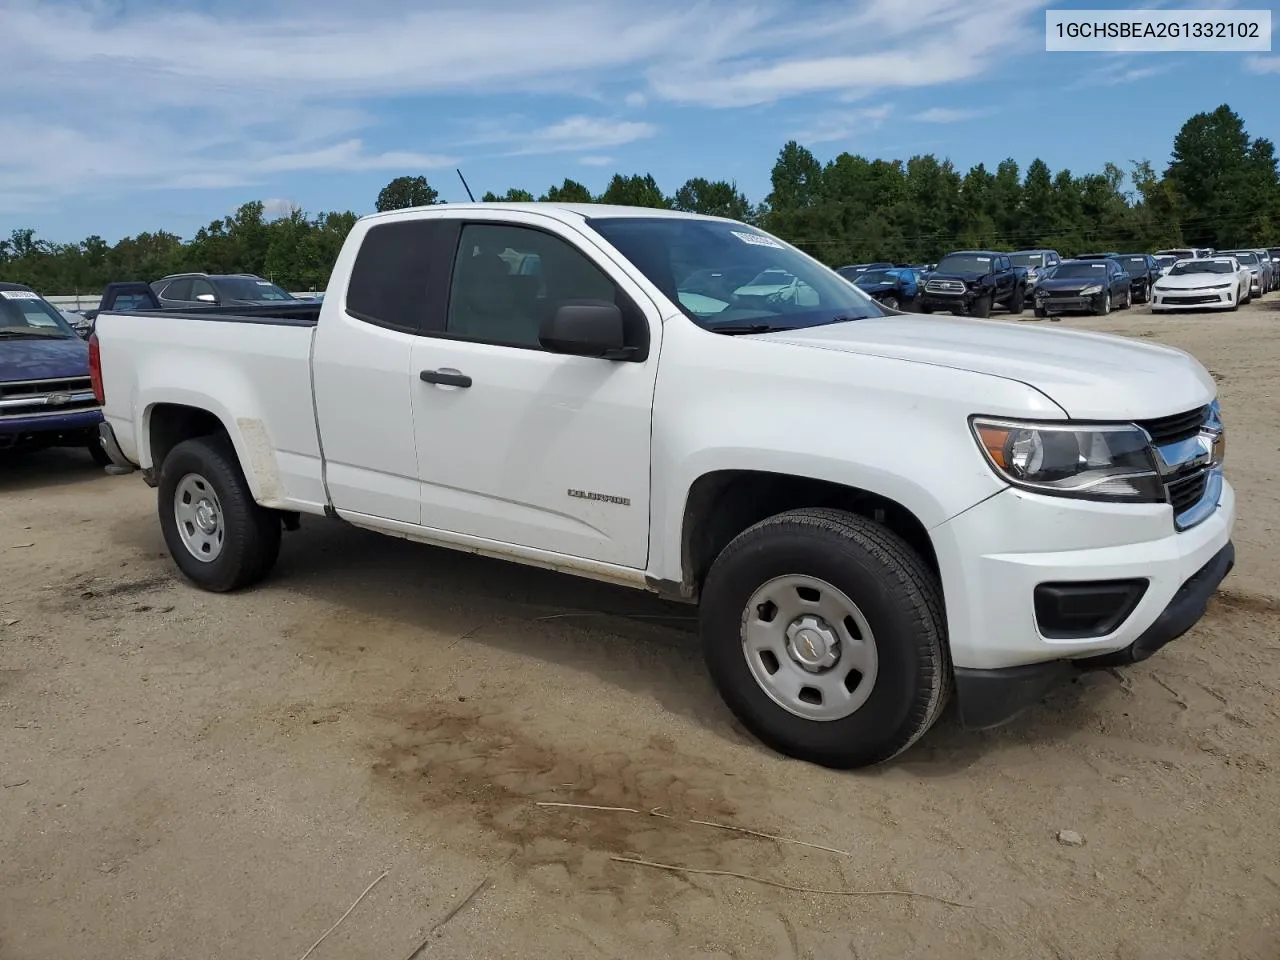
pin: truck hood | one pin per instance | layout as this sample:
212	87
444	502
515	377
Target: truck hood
1091	376
44	359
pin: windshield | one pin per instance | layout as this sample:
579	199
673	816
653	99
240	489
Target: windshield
23	313
964	263
1248	259
1097	270
1166	261
246	288
724	274
1200	266
1135	265
877	276
1027	259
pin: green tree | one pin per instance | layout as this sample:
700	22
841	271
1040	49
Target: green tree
634	191
405	192
571	191
514	195
713	198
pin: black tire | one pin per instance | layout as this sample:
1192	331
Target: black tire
1103	308
98	452
250	534
981	308
891	302
1018	302
900	599
926	308
1040	313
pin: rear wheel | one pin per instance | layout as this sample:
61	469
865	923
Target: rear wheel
824	633
891	302
217	535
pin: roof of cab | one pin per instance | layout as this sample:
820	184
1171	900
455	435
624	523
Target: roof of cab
15	286
560	211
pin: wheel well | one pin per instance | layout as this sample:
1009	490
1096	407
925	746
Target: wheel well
171	423
723	504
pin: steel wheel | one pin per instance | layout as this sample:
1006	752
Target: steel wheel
198	511
809	647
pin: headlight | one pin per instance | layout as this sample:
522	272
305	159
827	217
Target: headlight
1090	291
1109	462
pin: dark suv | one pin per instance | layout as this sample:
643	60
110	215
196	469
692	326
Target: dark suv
182	290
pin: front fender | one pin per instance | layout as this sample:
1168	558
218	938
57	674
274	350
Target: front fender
893	428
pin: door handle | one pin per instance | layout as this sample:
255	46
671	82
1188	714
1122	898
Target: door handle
446	378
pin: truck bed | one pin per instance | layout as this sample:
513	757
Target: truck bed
250	368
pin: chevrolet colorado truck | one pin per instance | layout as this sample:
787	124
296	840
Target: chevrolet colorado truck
873	511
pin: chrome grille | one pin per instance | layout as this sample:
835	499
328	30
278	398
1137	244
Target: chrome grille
48	398
1185	490
1175	428
944	286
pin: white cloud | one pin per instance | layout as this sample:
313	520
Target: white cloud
844	124
157	94
595	160
1262	64
277	207
574	134
948	115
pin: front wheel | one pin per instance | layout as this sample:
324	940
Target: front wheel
98	451
217	535
824	633
1104	307
981	307
891	302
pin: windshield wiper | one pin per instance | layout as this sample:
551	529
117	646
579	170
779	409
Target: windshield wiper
735	329
847	317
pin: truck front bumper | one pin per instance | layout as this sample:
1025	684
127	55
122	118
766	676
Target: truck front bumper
49	430
1006	648
941	302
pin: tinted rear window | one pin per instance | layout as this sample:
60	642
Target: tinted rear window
401	273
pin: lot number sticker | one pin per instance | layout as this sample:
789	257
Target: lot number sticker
757	239
19	295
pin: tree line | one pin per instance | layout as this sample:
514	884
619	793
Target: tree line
1220	188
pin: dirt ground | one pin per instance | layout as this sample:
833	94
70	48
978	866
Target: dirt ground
184	775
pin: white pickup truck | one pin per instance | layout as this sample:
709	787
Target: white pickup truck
872	509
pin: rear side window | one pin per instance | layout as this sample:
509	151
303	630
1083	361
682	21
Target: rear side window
179	289
401	275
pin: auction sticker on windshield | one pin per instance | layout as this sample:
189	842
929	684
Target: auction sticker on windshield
19	295
757	239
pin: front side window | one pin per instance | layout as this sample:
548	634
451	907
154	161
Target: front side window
731	277
199	286
508	279
252	289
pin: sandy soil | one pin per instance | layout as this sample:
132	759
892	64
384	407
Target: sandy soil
196	776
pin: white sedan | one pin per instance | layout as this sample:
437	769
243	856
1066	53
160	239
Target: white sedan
1211	283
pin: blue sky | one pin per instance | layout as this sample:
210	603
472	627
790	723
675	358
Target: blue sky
130	115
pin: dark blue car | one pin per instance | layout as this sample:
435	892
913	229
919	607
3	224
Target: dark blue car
46	396
895	287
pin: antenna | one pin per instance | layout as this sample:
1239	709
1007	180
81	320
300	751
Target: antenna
465	187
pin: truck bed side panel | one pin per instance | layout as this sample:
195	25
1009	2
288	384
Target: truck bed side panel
255	377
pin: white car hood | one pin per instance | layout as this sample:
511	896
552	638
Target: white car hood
1194	281
1092	376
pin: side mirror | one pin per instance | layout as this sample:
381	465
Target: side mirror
206	298
586	328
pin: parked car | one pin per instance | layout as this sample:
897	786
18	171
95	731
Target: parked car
895	287
1217	283
46	397
1063	492
1270	271
1097	256
1164	261
1084	286
78	322
1143	273
972	282
1183	253
1037	263
854	270
181	290
1258	271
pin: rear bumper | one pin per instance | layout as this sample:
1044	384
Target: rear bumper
990	697
107	436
